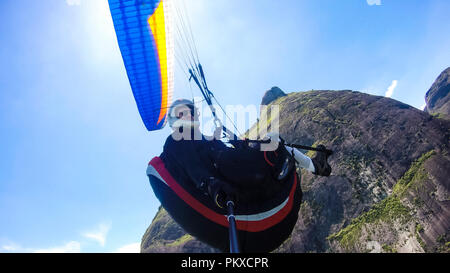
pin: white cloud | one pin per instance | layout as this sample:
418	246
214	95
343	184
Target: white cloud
73	2
10	247
130	248
99	233
374	2
70	247
391	89
423	107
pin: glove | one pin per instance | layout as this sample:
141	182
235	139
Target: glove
320	162
220	192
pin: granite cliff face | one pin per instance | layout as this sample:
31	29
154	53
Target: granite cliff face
438	97
390	186
271	95
165	235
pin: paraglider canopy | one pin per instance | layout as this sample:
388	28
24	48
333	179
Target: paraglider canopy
146	32
143	29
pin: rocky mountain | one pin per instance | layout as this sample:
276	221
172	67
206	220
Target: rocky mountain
271	95
438	97
390	186
165	236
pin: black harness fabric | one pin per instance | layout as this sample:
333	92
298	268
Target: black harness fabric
189	162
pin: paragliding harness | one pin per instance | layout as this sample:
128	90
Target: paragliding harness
242	226
245	224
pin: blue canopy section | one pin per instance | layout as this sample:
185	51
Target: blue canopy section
143	62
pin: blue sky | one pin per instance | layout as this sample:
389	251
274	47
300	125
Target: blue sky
74	150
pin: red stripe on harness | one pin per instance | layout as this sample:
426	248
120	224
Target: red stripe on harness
252	226
267	160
